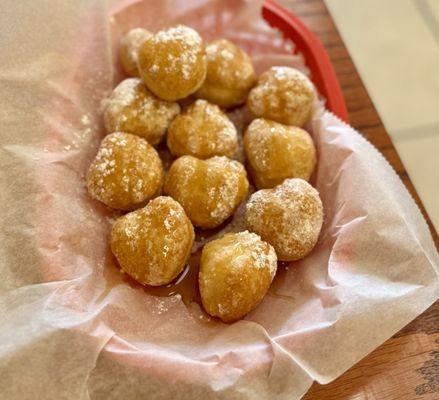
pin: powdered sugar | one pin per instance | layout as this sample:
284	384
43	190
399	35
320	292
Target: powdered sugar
282	94
229	66
189	44
152	243
85	119
236	271
276	152
125	172
81	135
225	197
154	69
209	190
179	33
289	217
134	109
202	131
129	49
261	253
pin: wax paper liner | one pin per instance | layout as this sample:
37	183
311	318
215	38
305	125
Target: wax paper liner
73	328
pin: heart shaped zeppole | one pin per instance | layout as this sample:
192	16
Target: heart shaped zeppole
236	271
153	243
284	95
172	63
289	217
126	172
230	74
129	49
276	151
204	185
209	190
202	131
132	108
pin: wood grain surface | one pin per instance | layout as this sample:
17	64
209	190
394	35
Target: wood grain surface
406	367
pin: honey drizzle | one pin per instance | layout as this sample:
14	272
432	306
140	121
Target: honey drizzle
186	283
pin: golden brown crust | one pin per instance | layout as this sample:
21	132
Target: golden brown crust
236	271
129	49
172	63
209	190
284	95
125	173
202	131
230	74
152	244
132	108
276	152
289	217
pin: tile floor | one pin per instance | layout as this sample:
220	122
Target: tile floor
395	46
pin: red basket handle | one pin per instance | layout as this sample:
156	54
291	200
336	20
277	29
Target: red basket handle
316	57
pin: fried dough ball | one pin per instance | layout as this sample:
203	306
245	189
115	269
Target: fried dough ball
275	152
152	244
209	190
132	108
203	131
235	274
230	74
283	94
289	217
126	172
172	63
129	49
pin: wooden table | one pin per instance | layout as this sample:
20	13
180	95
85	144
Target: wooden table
405	367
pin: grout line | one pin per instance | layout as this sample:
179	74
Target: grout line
429	18
415	132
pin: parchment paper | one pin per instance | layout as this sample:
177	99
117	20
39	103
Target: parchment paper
72	328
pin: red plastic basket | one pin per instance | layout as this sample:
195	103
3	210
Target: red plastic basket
316	57
324	78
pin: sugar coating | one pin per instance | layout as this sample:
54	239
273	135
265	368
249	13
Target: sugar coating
249	247
289	217
172	63
129	49
132	108
209	190
276	152
153	243
203	131
230	74
125	173
284	95
236	271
